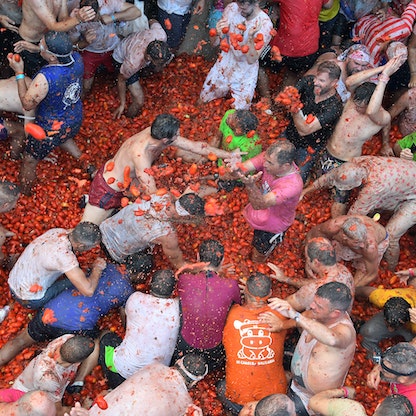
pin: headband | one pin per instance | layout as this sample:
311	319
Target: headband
180	209
396	373
193	377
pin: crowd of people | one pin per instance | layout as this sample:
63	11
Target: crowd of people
346	72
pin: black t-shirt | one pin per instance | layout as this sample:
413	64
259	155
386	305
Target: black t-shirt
327	112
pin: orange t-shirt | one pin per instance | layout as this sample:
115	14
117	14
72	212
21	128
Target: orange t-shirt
254	367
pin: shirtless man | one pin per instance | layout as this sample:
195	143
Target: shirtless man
326	346
389	184
134	157
321	267
357	238
363	116
39	17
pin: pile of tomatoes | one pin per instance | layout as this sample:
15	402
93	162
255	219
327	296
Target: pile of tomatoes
61	184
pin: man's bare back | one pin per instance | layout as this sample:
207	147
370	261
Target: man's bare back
134	156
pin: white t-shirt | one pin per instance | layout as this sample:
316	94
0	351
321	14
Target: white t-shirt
125	233
130	52
44	373
151	333
41	263
180	7
155	390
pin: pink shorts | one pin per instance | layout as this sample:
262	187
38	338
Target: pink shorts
10	395
93	60
102	195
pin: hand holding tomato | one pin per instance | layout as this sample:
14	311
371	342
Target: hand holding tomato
16	63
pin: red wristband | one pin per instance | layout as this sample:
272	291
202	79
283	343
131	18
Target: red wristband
345	392
411	273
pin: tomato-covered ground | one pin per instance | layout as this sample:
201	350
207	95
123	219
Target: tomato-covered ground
60	185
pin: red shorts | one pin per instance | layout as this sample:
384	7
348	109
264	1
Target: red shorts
10	395
102	195
93	60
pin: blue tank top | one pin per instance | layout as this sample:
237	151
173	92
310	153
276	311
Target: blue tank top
74	311
63	102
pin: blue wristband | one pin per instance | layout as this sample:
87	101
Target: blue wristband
113	18
20	76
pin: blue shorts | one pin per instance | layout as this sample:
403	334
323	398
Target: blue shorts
39	149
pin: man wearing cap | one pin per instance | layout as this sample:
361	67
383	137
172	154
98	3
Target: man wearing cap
55	95
389	184
144	224
396	366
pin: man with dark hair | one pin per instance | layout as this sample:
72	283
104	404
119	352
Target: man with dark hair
151	332
154	389
146	49
205	299
237	130
272	207
131	162
393	320
72	313
9	194
55	96
272	405
356	238
53	368
254	355
34	280
363	117
396	366
323	106
326	346
139	226
321	267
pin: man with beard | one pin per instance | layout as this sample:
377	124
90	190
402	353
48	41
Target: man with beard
352	61
363	117
323	106
243	31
